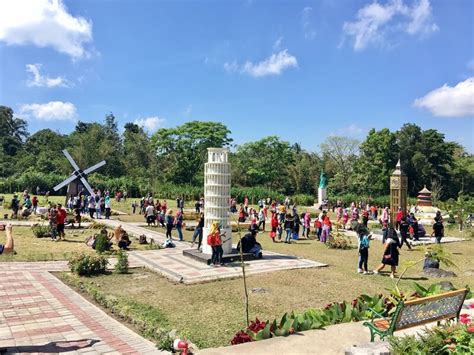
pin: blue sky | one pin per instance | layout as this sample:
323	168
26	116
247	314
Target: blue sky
301	70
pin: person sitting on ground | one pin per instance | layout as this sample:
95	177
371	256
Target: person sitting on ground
250	245
8	247
121	237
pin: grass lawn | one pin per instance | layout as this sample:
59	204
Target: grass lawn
212	312
30	248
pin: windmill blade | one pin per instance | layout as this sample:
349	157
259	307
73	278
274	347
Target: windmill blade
94	167
65	182
68	157
87	186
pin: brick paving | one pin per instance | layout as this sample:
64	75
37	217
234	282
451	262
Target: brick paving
174	265
40	314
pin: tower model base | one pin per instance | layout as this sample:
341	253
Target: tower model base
234	256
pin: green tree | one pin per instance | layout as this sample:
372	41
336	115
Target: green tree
182	150
378	157
339	157
93	142
264	162
42	153
425	156
304	172
139	157
13	132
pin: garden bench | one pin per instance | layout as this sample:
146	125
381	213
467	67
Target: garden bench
418	312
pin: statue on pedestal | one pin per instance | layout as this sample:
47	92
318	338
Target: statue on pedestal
322	190
323	181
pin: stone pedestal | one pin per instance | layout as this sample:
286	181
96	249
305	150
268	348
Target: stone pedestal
217	197
322	195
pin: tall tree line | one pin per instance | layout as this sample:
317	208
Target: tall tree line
177	155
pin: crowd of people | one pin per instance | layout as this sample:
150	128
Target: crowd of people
286	223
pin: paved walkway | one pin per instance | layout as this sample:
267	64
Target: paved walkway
179	268
42	315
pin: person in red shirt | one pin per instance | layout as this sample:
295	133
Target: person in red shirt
274	225
61	218
399	218
215	242
34	202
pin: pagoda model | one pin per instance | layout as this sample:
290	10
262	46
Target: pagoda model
424	198
217	197
398	193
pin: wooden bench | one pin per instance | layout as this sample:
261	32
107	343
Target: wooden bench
418	312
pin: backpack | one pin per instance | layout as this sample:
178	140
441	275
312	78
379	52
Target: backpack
364	242
142	239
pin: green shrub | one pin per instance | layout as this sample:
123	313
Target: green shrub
121	267
86	265
40	231
303	200
446	339
102	243
337	240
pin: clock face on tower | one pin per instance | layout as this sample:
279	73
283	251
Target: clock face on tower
394	183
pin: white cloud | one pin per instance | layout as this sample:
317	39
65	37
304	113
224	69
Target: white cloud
44	23
274	65
277	44
43	81
151	124
447	101
375	20
51	111
231	67
308	29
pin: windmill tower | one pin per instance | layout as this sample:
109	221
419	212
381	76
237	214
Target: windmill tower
78	179
217	196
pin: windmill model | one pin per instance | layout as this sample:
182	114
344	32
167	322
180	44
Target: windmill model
77	181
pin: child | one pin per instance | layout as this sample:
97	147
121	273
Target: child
318	226
364	241
326	229
215	242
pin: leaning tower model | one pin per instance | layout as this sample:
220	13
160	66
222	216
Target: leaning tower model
217	197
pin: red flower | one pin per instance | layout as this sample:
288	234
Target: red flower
465	320
470	329
471	305
241	337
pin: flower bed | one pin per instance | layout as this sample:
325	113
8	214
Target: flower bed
363	307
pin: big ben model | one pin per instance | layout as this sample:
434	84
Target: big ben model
398	193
